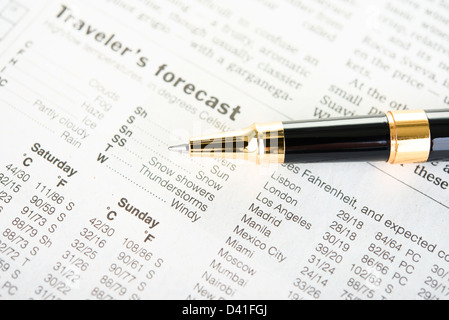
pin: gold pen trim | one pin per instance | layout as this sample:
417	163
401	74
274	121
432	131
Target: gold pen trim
410	136
260	143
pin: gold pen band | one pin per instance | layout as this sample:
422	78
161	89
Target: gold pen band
410	136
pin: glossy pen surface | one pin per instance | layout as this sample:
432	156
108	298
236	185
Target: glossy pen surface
439	132
335	140
397	137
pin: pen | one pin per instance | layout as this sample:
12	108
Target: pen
397	137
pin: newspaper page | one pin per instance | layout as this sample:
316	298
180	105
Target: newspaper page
94	206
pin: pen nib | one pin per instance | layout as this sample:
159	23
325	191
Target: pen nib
182	148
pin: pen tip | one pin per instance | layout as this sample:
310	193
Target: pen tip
182	148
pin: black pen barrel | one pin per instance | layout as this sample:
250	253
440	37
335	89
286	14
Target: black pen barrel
396	137
439	133
355	139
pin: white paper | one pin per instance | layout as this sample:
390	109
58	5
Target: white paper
93	206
